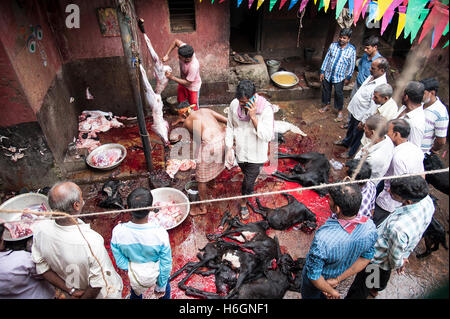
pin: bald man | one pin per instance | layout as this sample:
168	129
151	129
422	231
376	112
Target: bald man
69	254
207	124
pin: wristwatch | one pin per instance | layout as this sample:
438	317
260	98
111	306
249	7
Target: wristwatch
72	291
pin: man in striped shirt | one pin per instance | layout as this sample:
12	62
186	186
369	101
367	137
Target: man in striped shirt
337	70
339	244
398	235
436	118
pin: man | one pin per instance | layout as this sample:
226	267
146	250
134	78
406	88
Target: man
251	124
406	159
69	254
189	82
361	106
206	124
338	244
142	248
370	54
398	235
436	118
379	154
337	69
412	111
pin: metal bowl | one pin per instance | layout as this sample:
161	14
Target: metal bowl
103	148
284	86
20	202
168	194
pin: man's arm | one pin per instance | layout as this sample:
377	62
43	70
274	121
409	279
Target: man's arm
357	266
326	288
219	117
439	142
181	81
57	281
324	64
175	43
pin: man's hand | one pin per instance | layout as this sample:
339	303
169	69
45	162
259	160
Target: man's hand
230	157
346	82
322	76
401	270
158	295
360	126
333	282
169	75
252	109
165	58
334	294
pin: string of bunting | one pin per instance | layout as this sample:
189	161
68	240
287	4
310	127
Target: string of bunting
430	15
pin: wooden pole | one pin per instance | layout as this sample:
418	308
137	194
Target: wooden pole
132	60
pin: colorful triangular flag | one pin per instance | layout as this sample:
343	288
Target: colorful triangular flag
271	4
239	3
436	20
388	14
303	5
260	2
339	6
282	4
383	5
293	3
250	2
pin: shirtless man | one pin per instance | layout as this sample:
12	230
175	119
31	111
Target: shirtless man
211	154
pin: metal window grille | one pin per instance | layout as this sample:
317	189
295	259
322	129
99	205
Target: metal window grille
182	15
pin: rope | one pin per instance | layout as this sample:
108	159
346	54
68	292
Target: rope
214	200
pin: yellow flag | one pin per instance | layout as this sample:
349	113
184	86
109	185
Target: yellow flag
315	1
326	3
401	23
260	2
382	7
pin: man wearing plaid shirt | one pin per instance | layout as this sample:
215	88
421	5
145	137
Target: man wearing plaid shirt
398	235
337	69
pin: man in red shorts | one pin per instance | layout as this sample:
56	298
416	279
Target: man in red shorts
189	82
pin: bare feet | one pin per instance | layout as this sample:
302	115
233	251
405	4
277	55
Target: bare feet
198	210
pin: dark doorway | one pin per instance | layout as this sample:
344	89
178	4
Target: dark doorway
245	26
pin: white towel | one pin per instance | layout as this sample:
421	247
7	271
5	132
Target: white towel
143	276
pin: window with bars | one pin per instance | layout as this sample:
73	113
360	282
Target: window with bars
182	15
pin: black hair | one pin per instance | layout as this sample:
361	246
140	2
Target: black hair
346	32
371	41
183	105
140	197
413	188
245	88
186	51
430	84
401	126
347	197
415	91
364	173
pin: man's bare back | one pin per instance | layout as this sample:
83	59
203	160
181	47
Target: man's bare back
209	122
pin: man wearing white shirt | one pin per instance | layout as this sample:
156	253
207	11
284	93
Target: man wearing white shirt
407	159
382	96
251	124
412	111
436	118
379	154
360	106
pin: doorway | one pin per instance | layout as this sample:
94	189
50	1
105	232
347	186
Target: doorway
245	28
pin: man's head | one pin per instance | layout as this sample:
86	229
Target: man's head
140	197
379	67
66	197
371	45
244	91
364	173
185	53
431	86
398	131
413	93
409	190
344	36
373	124
345	199
382	93
184	109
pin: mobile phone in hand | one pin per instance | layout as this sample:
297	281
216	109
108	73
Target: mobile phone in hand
247	105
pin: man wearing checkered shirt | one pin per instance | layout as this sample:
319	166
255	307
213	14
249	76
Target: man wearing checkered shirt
398	235
337	70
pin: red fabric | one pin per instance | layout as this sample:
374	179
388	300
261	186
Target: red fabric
350	225
184	94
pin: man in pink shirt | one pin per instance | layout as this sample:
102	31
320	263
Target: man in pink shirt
189	82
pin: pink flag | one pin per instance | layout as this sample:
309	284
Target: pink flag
250	2
357	7
282	3
388	14
437	19
303	5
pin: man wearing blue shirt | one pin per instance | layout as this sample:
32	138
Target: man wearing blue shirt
341	245
337	69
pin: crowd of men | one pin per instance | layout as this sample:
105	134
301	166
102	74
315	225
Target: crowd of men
374	225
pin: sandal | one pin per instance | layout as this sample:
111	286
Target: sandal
339	118
324	109
244	213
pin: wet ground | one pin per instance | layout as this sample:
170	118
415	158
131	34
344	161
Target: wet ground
421	277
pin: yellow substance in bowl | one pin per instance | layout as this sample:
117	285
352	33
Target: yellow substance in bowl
284	79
